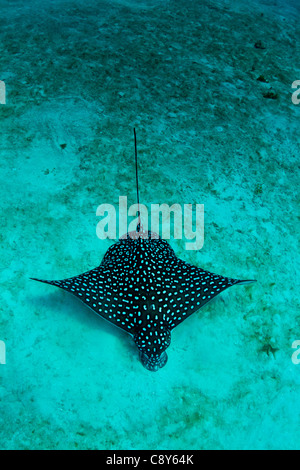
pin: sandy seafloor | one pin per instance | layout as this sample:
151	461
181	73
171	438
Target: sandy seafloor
184	73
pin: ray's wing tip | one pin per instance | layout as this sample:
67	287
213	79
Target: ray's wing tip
41	280
246	281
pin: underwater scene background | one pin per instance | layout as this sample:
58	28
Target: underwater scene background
208	86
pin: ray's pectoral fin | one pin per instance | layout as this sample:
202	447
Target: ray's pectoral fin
195	287
93	289
152	341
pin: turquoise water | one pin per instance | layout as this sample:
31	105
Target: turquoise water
216	126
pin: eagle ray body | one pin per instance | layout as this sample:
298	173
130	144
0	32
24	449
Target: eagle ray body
144	289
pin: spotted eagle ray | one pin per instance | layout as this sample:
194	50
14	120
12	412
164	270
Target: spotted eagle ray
144	289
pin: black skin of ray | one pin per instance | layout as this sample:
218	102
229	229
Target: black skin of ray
144	289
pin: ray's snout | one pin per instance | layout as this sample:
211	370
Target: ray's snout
153	363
